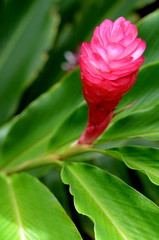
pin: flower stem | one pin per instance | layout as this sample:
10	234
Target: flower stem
54	159
35	163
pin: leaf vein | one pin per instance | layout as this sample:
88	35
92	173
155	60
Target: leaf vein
15	209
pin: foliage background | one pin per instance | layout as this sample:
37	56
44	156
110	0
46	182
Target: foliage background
43	113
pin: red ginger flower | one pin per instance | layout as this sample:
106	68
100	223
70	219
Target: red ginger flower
109	66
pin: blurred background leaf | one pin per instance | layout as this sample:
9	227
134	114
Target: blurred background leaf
26	34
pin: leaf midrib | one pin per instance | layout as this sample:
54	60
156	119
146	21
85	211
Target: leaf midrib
99	205
15	208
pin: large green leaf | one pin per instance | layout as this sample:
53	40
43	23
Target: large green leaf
28	211
118	211
70	129
23	51
149	31
31	131
145	92
142	124
145	159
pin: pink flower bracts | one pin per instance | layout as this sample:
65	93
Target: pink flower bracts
109	66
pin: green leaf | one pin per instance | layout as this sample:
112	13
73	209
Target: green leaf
28	211
143	3
151	190
118	211
144	93
120	8
70	129
33	128
23	51
145	159
141	124
148	31
3	133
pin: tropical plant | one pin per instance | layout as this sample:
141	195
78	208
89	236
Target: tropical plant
114	181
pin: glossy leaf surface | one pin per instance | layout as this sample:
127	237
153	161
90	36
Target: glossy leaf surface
145	159
28	211
143	124
117	210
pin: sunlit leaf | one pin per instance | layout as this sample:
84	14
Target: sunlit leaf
145	159
117	210
28	211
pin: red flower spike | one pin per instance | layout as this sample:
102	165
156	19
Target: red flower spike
109	65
